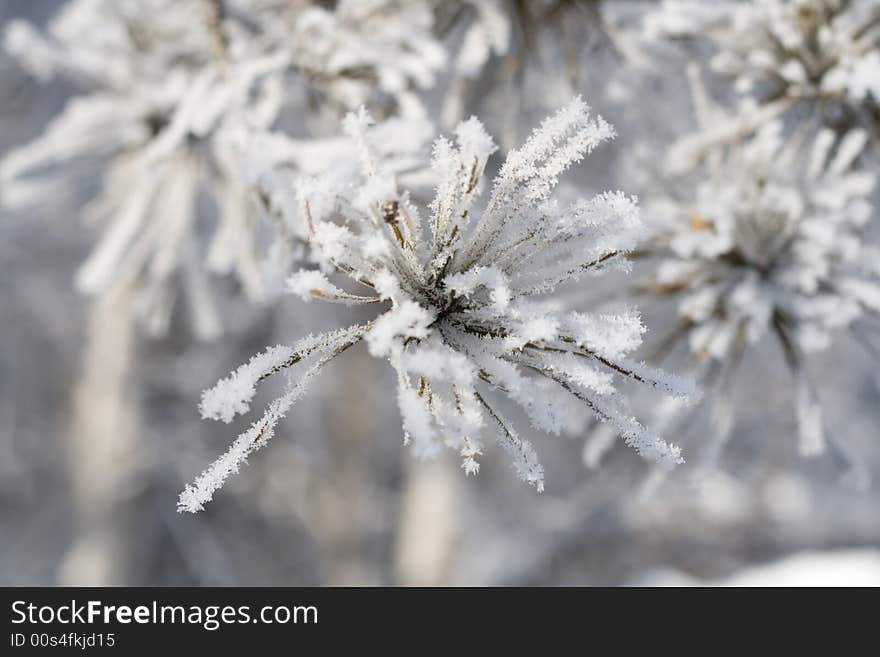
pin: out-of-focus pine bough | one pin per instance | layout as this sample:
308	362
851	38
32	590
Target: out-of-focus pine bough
172	90
819	58
763	226
518	59
769	243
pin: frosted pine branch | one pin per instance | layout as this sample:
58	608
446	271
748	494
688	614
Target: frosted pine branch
232	396
468	292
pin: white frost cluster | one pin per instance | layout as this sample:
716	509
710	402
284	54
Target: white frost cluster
773	234
171	90
819	54
464	289
767	236
273	163
770	243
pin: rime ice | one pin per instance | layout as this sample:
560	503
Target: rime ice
464	288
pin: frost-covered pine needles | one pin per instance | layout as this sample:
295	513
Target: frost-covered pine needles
464	297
